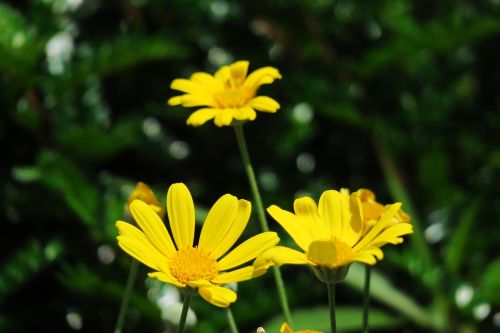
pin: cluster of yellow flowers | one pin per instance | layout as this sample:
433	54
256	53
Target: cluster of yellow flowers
341	228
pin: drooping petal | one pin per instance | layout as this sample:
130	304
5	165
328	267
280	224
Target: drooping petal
248	250
224	117
218	296
365	257
292	226
238	275
234	230
219	220
180	209
166	277
392	234
280	255
378	227
135	243
264	104
201	116
245	113
152	226
264	75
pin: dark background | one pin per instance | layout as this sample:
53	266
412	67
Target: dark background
399	96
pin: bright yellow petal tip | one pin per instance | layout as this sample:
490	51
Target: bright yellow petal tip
177	260
227	96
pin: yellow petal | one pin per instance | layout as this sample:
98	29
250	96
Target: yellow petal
264	103
218	296
152	226
224	117
292	226
285	328
333	210
219	220
180	210
248	250
307	211
238	275
135	243
199	283
245	113
366	258
192	100
234	229
166	277
378	227
264	75
223	75
353	227
393	234
239	71
176	100
207	81
280	255
201	116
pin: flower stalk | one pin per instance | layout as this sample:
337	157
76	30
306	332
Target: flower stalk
280	285
366	299
184	313
331	304
132	275
230	320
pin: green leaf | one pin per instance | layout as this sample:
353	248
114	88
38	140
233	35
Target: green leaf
19	47
382	290
455	252
124	52
348	319
63	176
26	262
490	283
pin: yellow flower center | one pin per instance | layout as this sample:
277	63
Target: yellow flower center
330	253
191	264
233	97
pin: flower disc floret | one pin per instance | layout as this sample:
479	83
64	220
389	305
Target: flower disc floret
192	264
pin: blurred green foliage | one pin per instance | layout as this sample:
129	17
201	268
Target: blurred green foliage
400	96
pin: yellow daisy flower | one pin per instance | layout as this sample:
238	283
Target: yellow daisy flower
229	94
330	234
203	267
144	193
287	329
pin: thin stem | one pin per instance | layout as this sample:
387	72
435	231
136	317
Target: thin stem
261	214
185	309
366	298
331	303
132	275
231	321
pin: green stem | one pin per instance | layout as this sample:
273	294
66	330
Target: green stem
366	298
184	313
231	321
331	304
261	214
132	275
